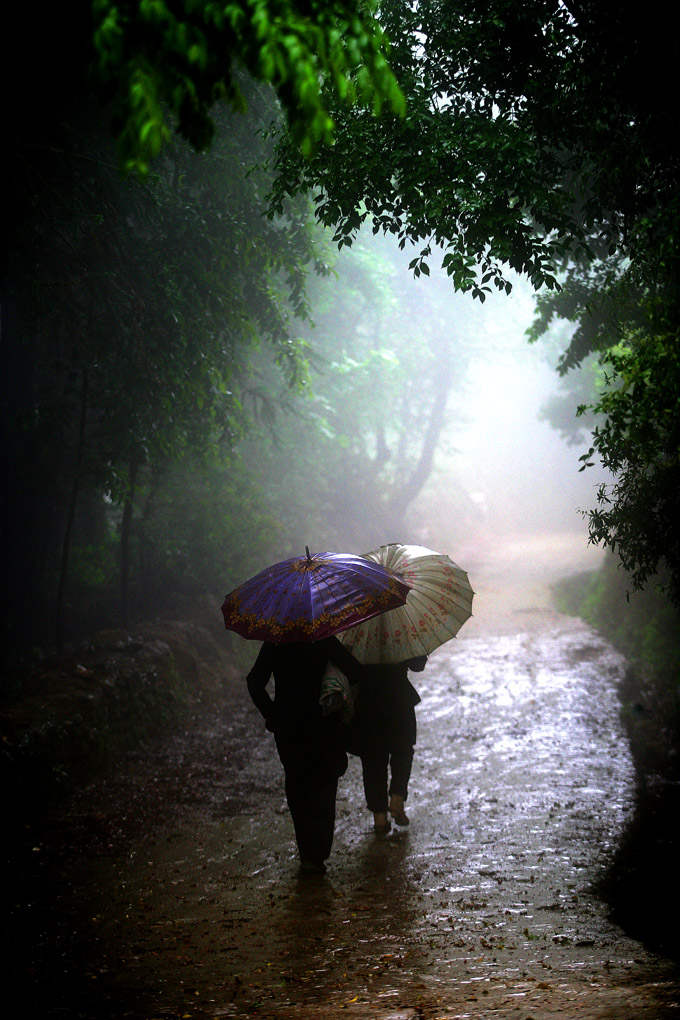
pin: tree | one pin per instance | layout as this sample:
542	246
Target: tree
508	154
134	308
630	333
538	137
163	65
640	443
157	58
129	309
342	466
624	312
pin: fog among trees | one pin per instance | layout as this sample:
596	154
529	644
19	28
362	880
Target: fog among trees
279	300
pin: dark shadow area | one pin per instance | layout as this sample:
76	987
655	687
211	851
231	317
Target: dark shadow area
642	884
66	718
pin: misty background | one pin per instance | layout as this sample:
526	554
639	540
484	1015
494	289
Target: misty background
203	388
500	467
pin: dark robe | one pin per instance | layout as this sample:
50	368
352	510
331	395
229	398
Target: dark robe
383	730
311	746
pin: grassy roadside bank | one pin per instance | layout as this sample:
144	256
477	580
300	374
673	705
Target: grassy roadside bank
642	885
64	719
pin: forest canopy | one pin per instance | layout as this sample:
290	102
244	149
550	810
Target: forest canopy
303	48
499	138
540	137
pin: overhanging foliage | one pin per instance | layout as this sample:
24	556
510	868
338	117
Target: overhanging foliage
166	64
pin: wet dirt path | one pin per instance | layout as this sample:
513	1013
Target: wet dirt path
171	889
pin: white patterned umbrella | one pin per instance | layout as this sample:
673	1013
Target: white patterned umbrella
437	605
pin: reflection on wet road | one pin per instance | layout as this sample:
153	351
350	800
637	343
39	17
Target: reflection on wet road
482	908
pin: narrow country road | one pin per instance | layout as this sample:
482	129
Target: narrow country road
170	888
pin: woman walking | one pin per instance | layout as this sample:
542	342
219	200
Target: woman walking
310	744
383	734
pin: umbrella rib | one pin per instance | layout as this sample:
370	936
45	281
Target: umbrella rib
436	585
417	605
439	594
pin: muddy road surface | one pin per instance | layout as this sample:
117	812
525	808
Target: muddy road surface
170	888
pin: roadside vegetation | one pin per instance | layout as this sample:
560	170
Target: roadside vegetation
645	627
641	883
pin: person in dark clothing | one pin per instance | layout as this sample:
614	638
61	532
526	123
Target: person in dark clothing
310	744
383	734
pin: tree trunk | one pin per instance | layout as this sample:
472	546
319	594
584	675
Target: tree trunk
70	519
125	535
405	495
145	570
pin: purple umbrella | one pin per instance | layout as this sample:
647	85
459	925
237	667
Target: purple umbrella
307	598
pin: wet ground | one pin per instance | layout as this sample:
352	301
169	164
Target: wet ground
171	889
